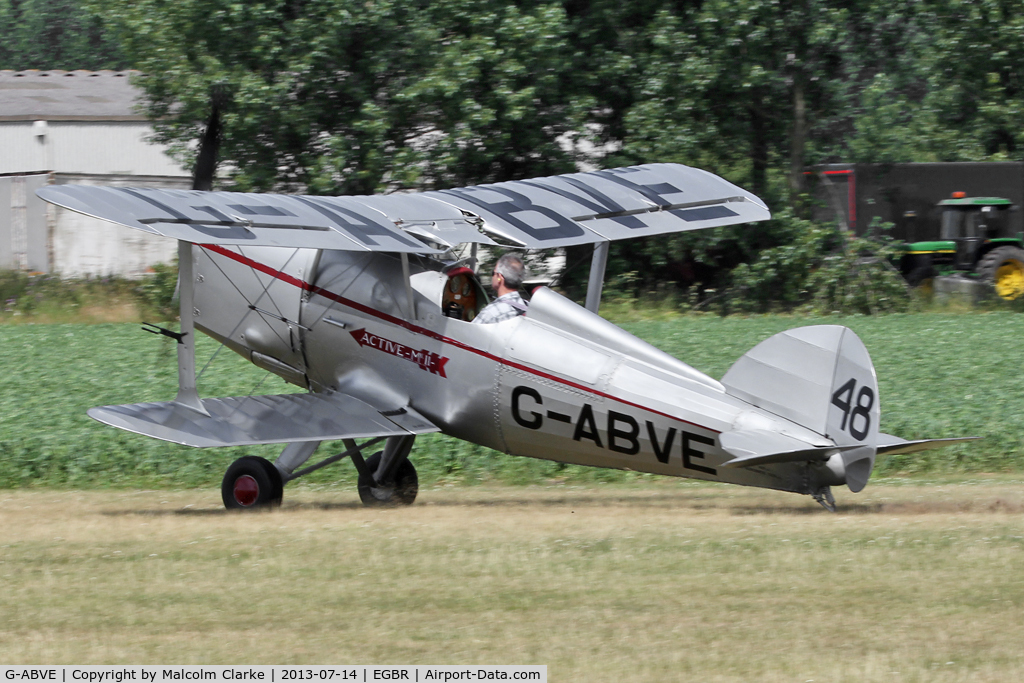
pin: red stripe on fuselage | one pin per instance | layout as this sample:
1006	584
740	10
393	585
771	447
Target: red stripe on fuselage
416	329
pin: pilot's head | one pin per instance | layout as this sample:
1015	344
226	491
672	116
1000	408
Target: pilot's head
508	273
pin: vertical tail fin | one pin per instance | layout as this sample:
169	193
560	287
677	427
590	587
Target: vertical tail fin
822	378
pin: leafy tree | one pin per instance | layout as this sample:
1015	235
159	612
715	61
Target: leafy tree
613	46
355	97
55	34
893	127
733	86
499	97
938	80
726	86
821	269
976	79
756	91
347	97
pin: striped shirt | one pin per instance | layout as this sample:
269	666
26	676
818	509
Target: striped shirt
503	308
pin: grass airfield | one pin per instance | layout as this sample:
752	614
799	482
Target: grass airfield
623	579
912	580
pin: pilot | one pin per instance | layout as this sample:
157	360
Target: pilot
505	281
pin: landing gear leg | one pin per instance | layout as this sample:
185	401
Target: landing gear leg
253	482
295	455
388	478
825	498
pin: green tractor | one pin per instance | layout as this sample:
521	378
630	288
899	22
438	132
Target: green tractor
974	240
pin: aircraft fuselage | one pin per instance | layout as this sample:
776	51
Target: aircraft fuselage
559	383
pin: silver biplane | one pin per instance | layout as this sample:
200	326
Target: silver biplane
362	302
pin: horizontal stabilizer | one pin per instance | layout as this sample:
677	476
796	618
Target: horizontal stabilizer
889	444
248	420
750	447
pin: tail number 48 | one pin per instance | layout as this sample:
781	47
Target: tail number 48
856	413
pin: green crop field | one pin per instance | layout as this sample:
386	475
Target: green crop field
940	375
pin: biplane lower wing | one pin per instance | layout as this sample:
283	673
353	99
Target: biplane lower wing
249	420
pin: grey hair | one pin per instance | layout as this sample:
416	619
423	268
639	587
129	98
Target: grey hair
511	268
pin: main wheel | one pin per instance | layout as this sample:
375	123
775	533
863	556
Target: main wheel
251	482
1004	268
403	492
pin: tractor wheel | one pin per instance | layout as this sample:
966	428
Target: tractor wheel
922	279
250	483
1004	268
402	492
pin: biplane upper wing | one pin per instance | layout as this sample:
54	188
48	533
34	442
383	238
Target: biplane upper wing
246	219
557	211
584	208
249	420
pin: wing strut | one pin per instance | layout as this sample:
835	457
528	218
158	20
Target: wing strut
408	286
596	283
187	394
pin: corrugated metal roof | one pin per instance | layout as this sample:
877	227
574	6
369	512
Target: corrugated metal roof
68	96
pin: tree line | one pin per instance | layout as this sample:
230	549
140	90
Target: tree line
363	96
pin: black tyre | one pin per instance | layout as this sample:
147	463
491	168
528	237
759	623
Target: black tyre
920	275
251	483
403	492
922	279
1004	268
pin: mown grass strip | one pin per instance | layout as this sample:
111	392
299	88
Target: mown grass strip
671	580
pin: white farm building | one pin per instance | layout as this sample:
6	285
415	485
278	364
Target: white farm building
60	127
